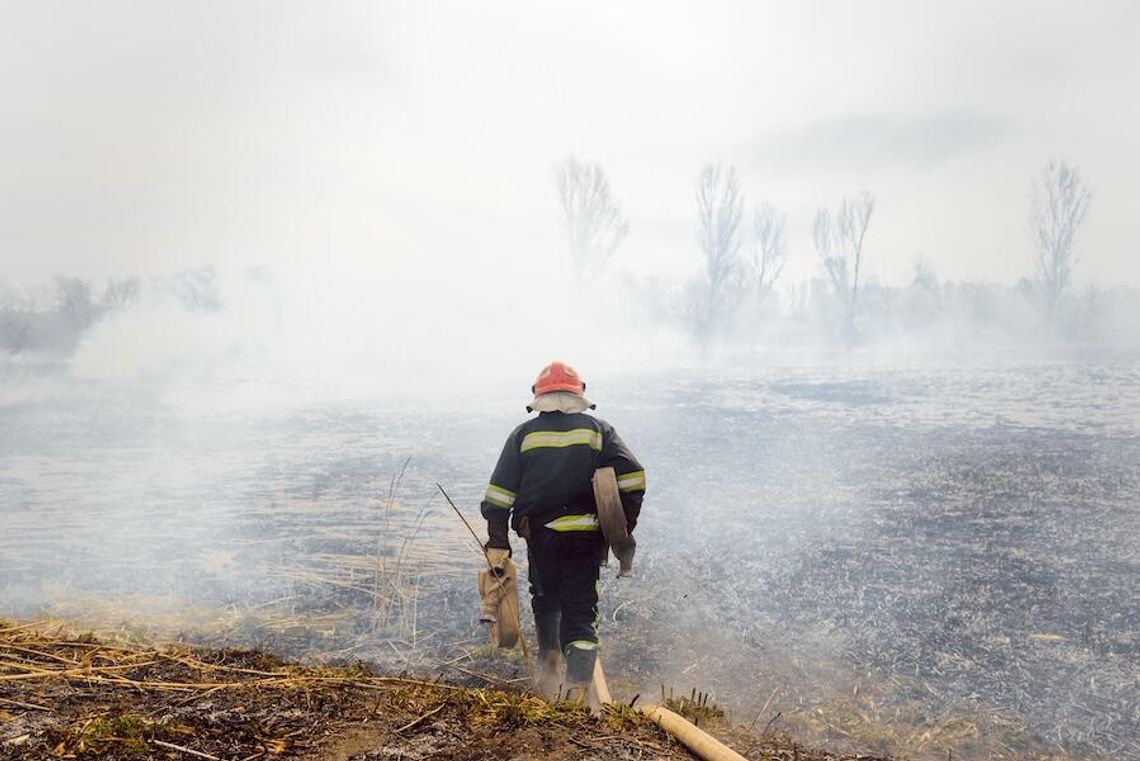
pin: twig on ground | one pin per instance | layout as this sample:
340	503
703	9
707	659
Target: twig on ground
763	708
21	704
770	722
478	675
197	753
420	719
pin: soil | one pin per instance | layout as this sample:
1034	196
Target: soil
66	695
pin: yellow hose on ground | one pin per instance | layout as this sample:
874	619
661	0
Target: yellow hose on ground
701	743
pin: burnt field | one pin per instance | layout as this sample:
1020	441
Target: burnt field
899	560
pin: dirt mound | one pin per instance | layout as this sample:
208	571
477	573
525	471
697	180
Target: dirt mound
64	695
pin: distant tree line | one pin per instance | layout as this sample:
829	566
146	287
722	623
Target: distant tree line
53	319
738	293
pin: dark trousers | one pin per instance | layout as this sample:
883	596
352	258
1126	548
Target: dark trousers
564	587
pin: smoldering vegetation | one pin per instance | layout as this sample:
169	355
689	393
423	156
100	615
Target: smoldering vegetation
972	578
892	517
907	560
890	507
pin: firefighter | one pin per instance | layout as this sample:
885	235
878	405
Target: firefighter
542	487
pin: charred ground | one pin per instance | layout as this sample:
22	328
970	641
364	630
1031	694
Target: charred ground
911	561
66	695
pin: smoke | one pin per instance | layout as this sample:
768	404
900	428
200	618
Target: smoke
164	335
349	253
319	334
217	463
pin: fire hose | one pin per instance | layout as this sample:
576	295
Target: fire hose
701	743
611	516
501	592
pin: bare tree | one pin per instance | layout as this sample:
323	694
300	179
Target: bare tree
839	242
1058	207
74	302
120	294
771	248
591	220
197	290
15	321
923	295
720	205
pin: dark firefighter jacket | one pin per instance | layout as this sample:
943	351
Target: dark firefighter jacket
544	474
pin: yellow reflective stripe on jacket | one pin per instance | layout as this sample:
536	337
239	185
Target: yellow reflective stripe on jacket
499	496
631	481
584	522
584	436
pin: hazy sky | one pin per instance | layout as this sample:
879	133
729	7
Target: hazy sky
414	142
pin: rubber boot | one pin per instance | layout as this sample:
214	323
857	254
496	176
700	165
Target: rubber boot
549	677
580	675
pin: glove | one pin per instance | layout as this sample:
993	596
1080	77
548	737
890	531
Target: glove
624	553
497	535
497	559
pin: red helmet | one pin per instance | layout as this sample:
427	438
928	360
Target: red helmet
558	376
